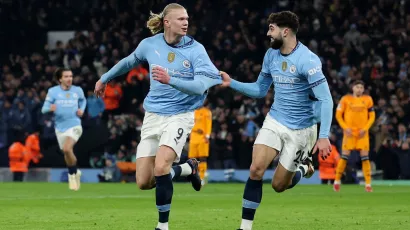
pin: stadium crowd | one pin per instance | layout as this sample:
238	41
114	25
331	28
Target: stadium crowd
367	40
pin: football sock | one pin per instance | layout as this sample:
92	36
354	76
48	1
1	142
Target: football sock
366	168
298	175
202	167
252	197
163	195
72	170
341	168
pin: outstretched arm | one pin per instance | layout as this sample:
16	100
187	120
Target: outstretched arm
256	89
122	67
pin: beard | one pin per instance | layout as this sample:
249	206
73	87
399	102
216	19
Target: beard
276	44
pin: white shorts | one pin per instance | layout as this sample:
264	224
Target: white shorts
158	130
74	132
294	146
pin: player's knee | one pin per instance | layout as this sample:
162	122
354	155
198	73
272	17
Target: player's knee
66	149
256	172
279	186
144	185
162	168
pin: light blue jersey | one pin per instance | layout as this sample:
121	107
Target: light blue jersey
67	102
300	89
189	66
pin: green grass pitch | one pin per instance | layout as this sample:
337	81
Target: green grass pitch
217	206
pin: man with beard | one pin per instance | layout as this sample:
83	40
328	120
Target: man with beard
290	127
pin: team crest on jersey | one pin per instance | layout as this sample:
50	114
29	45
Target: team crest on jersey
171	57
292	69
284	66
67	95
186	64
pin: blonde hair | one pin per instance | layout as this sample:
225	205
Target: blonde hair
155	22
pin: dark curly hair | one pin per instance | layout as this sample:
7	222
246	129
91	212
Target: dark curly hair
285	19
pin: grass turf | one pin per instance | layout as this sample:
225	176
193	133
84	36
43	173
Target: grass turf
218	206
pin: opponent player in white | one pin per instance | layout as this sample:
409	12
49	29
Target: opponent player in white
290	127
68	103
180	75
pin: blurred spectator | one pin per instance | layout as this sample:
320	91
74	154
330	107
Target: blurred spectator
110	173
95	107
112	97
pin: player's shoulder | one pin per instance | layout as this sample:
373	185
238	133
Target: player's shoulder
54	89
271	53
197	45
153	38
367	98
347	97
305	55
76	88
206	110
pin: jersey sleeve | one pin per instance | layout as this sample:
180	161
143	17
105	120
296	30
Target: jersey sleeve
48	101
312	69
127	63
259	88
341	108
206	74
82	102
372	114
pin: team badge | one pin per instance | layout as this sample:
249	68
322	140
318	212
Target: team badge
292	69
67	95
186	64
284	66
171	57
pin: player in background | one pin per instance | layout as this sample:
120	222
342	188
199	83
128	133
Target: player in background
181	72
68	103
355	115
199	139
290	127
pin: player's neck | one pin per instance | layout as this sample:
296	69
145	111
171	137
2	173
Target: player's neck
356	95
63	87
289	46
172	39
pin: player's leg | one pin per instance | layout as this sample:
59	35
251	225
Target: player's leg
363	145
144	173
262	157
147	150
71	162
164	187
290	168
265	149
173	138
203	149
297	156
348	144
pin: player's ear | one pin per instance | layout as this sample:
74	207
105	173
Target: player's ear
285	32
